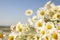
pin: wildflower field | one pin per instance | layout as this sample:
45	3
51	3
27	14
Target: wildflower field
45	25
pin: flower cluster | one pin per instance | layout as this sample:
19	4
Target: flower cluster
43	26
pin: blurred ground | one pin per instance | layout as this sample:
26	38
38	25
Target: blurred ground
5	29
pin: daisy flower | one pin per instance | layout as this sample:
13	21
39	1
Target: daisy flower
30	21
54	35
56	16
43	31
58	28
13	27
37	37
12	36
28	12
48	5
34	18
19	27
49	27
41	13
26	27
46	37
30	37
58	8
39	24
1	34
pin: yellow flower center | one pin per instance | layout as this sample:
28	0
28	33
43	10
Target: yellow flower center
46	38
58	28
58	16
19	28
54	35
49	26
1	35
43	32
29	12
40	24
27	29
31	36
11	37
42	13
38	37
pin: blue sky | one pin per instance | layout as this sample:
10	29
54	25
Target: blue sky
13	11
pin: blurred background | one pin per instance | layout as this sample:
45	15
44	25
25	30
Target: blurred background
13	11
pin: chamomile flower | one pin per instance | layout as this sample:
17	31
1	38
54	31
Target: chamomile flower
30	37
29	12
56	16
49	26
1	34
13	27
37	37
39	24
48	5
12	36
58	8
26	28
51	12
46	37
37	30
30	21
34	18
54	35
41	13
19	27
43	31
58	28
